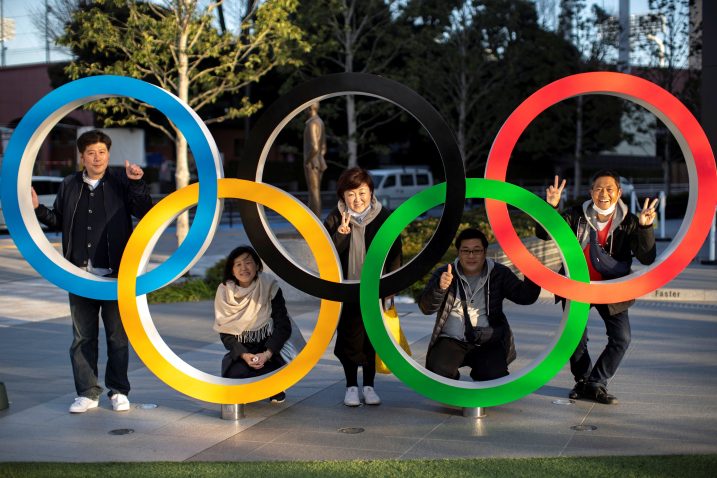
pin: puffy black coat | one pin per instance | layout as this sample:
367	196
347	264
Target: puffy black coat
501	284
628	239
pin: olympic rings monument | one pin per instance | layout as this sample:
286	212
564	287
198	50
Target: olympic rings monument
133	283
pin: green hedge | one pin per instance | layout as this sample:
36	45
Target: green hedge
190	289
414	237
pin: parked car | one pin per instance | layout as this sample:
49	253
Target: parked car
46	188
392	186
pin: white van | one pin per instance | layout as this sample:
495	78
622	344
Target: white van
392	186
46	188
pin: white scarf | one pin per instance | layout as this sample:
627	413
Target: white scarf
245	311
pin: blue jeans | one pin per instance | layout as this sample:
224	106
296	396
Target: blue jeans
617	328
84	350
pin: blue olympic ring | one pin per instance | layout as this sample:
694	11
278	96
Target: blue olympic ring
17	177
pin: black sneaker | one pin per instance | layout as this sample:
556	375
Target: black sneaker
578	390
278	398
601	395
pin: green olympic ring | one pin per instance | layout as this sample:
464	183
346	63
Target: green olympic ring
492	392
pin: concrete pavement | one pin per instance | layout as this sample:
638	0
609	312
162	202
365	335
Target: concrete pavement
666	387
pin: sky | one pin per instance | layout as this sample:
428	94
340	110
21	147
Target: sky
28	46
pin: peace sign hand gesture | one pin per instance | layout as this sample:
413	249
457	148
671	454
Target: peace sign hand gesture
648	214
344	228
554	192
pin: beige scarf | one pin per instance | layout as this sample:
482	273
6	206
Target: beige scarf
245	311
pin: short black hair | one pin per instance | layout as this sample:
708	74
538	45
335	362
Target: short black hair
471	233
93	137
605	173
229	266
351	179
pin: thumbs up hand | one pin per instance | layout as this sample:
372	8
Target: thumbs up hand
446	278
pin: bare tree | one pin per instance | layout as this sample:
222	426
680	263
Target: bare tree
669	47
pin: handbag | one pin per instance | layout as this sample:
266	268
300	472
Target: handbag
294	344
604	263
393	325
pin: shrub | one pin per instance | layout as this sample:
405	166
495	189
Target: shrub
415	236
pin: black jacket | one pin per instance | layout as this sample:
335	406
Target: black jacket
627	239
352	342
502	284
343	241
123	198
280	334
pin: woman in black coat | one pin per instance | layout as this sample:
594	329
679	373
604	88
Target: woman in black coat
352	226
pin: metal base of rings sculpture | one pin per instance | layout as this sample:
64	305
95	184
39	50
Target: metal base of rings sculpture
134	283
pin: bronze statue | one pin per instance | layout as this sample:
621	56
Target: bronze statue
314	151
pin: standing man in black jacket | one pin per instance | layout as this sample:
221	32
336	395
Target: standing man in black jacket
471	328
610	236
93	209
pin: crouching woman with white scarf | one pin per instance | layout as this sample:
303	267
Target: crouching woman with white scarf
251	318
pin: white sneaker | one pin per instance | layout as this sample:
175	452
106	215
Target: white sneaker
120	402
351	399
82	404
370	396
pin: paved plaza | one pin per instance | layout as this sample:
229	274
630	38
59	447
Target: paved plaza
666	387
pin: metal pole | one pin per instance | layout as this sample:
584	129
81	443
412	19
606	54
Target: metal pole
4	402
633	202
623	58
2	32
712	238
233	411
47	33
474	412
711	261
662	201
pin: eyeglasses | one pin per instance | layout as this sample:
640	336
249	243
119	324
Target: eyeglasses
471	252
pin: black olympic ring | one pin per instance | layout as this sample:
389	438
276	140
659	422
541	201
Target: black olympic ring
291	104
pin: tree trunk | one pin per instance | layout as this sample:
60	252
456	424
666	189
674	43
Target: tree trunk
577	163
462	105
182	171
351	123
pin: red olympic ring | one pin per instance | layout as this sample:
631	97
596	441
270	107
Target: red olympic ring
702	192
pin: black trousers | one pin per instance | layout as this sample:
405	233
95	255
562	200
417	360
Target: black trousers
617	328
84	350
240	369
487	361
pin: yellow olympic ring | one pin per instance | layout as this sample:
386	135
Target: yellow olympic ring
145	338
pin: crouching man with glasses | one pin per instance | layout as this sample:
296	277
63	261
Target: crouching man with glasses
467	298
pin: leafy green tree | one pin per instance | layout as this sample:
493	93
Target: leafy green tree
483	59
177	45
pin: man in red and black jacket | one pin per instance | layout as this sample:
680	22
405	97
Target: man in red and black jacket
610	237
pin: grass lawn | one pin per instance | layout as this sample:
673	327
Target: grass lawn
623	467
